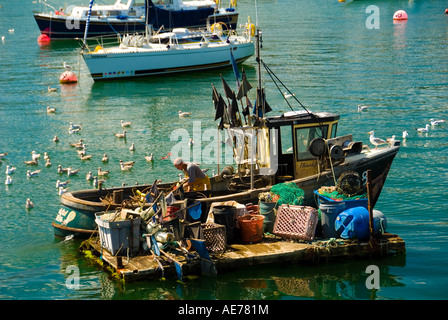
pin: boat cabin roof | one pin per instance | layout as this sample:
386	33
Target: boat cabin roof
301	117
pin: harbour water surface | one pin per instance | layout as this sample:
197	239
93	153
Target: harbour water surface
324	52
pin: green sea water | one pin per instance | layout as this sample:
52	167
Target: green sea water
325	52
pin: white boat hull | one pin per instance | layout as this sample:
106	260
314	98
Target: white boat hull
140	62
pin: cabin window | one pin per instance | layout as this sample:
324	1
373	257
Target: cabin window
303	138
286	139
334	129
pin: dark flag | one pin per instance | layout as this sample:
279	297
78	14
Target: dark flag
246	110
235	68
227	90
218	101
244	87
261	103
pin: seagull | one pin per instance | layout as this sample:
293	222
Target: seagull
48	163
10	169
105	158
184	114
149	158
405	134
288	95
50	89
89	176
436	122
30	173
132	147
75	126
79	144
8	180
3	39
121	135
71	172
55	139
391	140
71	131
102	173
425	129
376	141
46	156
51	110
11	30
125	124
60	183
35	155
66	66
362	108
84	156
29	204
125	167
62	170
31	162
61	190
3	154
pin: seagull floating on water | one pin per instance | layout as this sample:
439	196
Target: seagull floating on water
29	204
288	95
79	144
30	173
72	172
121	135
89	176
362	108
376	141
31	162
66	66
3	154
105	158
425	129
127	163
50	89
125	167
35	155
62	190
184	114
48	163
405	134
55	139
436	122
132	147
60	183
102	173
125	124
62	170
149	158
8	180
10	169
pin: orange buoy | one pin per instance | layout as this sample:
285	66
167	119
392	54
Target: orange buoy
446	11
68	77
43	38
400	15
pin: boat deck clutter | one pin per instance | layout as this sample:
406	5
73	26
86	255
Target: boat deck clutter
171	239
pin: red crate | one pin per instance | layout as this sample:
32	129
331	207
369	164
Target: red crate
296	222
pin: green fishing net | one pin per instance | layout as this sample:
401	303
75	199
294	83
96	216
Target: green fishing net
338	196
289	193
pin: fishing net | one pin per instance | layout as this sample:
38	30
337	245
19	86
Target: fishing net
289	193
332	193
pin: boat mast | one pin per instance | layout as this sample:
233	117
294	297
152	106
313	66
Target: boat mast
88	21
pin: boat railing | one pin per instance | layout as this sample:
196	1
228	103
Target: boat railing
100	42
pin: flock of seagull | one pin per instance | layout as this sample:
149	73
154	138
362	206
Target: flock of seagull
378	141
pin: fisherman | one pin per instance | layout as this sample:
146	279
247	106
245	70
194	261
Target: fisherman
197	179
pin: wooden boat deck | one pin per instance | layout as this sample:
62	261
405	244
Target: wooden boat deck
238	256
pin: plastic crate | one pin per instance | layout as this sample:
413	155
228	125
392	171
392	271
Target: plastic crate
214	236
119	236
296	222
348	203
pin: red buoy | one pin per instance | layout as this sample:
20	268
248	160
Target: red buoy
43	38
68	77
446	11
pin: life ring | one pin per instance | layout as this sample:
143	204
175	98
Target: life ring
251	28
216	28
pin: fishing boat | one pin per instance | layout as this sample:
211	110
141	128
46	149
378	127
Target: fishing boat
131	16
180	50
299	147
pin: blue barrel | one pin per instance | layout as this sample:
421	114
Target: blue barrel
353	223
329	212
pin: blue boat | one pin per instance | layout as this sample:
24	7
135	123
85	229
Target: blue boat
131	16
